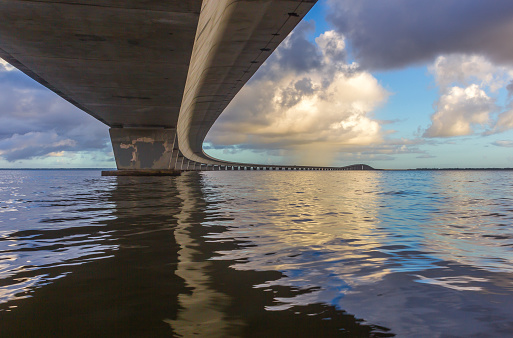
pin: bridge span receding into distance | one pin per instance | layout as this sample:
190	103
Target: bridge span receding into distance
158	73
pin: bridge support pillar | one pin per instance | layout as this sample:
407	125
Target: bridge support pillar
144	148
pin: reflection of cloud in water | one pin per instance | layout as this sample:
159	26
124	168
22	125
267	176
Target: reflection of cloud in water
157	279
306	227
369	241
471	224
47	227
382	246
455	283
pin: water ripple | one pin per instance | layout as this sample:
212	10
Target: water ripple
364	253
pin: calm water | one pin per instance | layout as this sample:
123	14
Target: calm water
258	254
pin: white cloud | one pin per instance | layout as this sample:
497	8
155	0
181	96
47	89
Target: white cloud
460	112
503	143
34	144
469	87
504	122
35	122
309	112
5	66
469	69
332	45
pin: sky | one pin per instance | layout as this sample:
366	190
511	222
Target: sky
394	84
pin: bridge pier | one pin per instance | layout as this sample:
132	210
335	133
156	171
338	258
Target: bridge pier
144	149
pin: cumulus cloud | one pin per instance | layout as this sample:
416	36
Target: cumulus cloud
469	69
460	111
504	120
468	96
311	107
396	33
35	122
467	42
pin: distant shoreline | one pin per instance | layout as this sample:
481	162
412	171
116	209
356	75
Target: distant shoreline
449	169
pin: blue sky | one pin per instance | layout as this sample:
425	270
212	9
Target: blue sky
395	84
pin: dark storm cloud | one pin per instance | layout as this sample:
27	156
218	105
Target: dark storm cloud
35	122
395	33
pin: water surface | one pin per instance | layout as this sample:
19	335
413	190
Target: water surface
371	253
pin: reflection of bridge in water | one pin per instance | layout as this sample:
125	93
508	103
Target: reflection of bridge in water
158	73
132	256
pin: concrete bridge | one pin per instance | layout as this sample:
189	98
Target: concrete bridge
195	166
158	73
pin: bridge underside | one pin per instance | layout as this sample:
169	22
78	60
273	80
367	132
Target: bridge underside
159	73
123	62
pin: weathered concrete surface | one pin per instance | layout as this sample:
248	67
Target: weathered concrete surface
137	148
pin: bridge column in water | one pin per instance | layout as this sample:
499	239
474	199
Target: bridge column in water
145	148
